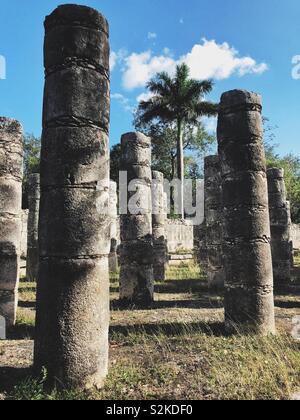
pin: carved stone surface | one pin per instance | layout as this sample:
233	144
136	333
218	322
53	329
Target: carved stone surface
11	174
74	231
213	222
32	228
280	220
159	217
249	300
113	205
136	250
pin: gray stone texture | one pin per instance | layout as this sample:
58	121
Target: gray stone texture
249	300
11	174
136	250
74	229
113	205
32	228
159	217
213	222
280	221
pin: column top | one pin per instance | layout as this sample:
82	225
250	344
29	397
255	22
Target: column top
159	176
275	173
136	137
76	15
10	124
234	99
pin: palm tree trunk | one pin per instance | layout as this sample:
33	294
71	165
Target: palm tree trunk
180	165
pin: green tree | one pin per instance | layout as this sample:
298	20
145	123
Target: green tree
196	144
178	100
115	156
291	165
32	152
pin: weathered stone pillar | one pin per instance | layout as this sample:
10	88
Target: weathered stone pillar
159	217
32	264
136	276
280	227
290	223
74	229
11	174
213	222
113	204
249	301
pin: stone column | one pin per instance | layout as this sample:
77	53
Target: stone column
113	201
136	276
11	174
280	227
213	221
74	229
290	223
32	264
249	300
158	227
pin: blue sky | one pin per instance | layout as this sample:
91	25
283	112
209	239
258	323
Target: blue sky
240	43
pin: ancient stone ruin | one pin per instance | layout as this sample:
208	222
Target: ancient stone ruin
280	227
11	174
74	235
213	222
32	263
136	251
113	205
249	300
159	217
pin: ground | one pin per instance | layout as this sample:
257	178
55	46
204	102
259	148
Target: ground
177	350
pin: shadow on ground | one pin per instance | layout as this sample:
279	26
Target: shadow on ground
170	330
27	304
21	332
10	377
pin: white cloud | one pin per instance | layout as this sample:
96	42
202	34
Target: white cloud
152	35
144	97
181	21
116	58
140	68
113	60
206	60
219	61
167	51
123	101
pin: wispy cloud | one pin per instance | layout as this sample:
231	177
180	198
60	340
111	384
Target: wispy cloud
152	35
206	60
125	102
210	124
117	57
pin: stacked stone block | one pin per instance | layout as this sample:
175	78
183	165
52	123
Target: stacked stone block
159	217
136	252
113	200
280	228
249	300
11	174
32	265
213	222
74	232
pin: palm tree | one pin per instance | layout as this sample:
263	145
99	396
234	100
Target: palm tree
179	100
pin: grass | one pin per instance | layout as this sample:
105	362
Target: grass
176	350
